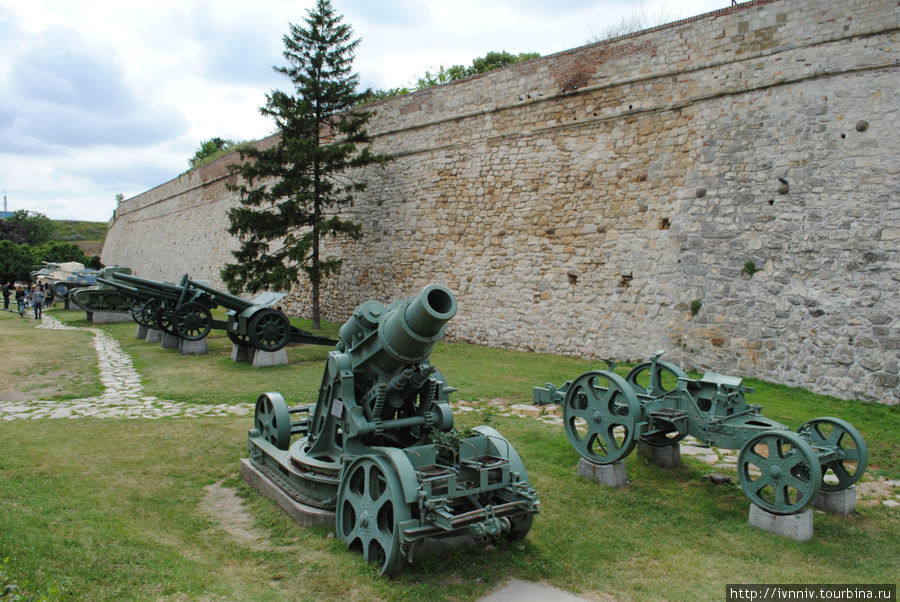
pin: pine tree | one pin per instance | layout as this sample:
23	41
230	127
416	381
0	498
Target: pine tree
292	193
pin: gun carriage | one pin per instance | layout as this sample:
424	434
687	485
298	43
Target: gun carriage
184	310
379	447
605	415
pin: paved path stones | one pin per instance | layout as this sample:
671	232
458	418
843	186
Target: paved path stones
122	397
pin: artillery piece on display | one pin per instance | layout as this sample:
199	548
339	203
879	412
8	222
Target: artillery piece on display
184	310
102	297
379	447
605	415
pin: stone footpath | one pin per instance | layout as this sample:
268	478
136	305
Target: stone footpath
122	396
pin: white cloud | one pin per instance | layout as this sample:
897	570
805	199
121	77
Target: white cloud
100	97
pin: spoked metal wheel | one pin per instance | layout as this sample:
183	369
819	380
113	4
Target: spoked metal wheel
239	339
779	472
655	380
142	312
273	420
845	443
600	416
369	511
270	330
192	321
164	319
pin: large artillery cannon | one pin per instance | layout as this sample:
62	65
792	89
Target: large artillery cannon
379	447
184	310
605	415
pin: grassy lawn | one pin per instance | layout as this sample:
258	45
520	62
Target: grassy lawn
117	509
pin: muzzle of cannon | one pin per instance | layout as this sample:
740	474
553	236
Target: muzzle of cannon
606	414
379	447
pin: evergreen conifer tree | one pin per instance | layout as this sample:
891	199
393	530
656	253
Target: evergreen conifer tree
292	193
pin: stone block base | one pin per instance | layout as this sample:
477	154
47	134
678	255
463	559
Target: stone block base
142	331
795	526
302	513
836	502
110	317
664	457
154	335
239	353
186	347
262	359
611	475
170	341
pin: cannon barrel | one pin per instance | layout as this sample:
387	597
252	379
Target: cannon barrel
406	330
153	285
226	300
119	286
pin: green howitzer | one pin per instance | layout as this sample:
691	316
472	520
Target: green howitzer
605	415
256	323
379	447
184	310
102	297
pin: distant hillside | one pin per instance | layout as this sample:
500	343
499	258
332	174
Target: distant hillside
89	236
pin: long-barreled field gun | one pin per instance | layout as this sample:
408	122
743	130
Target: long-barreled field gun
605	415
379	447
184	310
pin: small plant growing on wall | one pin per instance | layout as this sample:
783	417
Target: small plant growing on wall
696	304
749	268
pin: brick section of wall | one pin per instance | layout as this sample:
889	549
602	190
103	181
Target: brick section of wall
579	203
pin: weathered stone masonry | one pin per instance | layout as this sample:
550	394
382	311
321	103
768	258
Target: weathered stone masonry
744	162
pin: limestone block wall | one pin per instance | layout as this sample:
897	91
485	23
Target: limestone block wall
725	188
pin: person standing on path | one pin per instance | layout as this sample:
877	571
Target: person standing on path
6	287
37	301
20	299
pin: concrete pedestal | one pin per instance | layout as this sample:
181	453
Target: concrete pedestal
664	457
836	502
795	526
611	475
141	331
170	341
186	347
239	353
110	317
262	359
304	515
154	335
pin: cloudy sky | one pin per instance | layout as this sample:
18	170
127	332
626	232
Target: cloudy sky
101	97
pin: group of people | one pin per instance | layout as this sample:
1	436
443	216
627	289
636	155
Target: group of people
37	296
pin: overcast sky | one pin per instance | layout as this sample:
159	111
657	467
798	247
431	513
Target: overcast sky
100	97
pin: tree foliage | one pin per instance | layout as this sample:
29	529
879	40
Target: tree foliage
13	232
492	60
209	149
37	226
291	194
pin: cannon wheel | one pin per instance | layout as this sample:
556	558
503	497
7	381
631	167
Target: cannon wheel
655	383
273	420
779	472
601	422
852	453
140	312
369	511
269	330
192	321
163	319
239	339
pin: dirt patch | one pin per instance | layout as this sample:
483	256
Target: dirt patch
223	504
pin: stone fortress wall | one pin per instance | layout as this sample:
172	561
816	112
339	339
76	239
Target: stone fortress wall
605	201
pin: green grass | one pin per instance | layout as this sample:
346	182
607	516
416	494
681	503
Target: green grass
116	509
